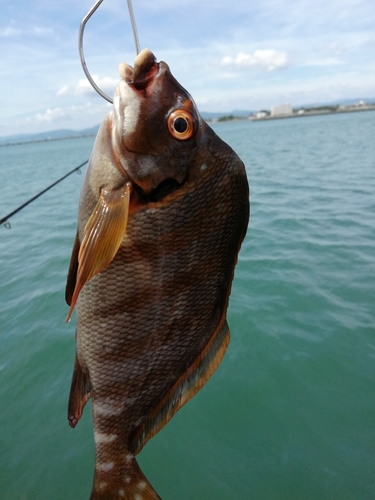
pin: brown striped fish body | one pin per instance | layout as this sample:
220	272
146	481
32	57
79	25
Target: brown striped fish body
163	211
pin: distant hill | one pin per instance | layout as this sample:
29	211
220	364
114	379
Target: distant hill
206	115
48	136
342	102
67	133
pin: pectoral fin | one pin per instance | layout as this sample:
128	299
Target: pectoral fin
80	392
103	235
185	387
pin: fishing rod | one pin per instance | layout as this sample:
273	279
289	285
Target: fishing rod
5	220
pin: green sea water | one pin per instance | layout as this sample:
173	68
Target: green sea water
290	413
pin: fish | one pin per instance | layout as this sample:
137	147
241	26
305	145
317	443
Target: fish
163	210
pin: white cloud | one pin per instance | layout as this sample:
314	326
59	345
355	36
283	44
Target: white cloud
9	31
51	115
334	47
73	117
269	59
37	31
63	91
328	61
83	87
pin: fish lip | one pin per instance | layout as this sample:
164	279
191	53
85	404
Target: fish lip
143	81
146	68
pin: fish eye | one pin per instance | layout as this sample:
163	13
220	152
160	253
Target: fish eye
181	124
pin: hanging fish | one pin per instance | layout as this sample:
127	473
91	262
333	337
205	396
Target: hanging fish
163	211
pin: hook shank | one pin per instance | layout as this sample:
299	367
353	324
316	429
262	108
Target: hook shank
80	44
134	27
81	55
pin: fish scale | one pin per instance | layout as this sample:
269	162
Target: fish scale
152	301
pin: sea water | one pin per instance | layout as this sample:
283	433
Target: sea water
290	413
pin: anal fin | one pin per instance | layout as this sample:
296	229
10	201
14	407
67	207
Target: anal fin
185	387
80	392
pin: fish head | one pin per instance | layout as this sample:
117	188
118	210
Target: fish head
157	128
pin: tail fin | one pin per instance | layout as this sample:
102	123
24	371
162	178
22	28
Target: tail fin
126	481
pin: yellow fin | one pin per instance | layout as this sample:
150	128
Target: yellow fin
185	388
80	392
103	235
121	483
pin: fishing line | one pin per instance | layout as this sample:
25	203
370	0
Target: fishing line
134	27
5	220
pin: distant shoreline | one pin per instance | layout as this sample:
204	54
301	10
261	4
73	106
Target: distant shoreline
367	107
45	139
222	119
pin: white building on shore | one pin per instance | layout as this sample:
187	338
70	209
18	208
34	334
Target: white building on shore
282	110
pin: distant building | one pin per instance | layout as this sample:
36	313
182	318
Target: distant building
282	110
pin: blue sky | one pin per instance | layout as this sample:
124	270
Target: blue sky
234	54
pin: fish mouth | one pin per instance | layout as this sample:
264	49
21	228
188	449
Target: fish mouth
145	69
156	164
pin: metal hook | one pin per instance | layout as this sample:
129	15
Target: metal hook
80	44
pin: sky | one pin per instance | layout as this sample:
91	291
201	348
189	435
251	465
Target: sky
233	54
